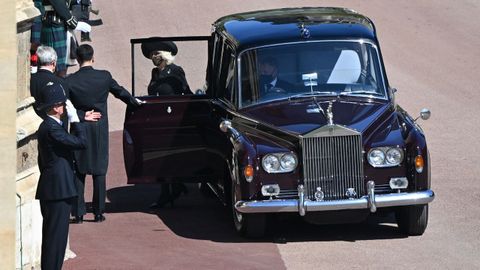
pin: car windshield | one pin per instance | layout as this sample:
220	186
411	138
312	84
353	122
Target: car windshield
327	68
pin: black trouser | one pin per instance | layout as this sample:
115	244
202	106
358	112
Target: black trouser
98	199
56	217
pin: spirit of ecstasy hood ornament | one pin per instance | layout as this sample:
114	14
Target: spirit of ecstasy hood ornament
330	113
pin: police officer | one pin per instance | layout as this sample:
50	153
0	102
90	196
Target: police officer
89	90
56	20
56	187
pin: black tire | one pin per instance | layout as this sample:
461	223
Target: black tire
412	220
248	225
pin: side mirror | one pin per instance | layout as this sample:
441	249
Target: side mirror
225	125
393	91
424	114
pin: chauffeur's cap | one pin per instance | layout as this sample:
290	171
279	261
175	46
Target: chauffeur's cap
52	93
150	46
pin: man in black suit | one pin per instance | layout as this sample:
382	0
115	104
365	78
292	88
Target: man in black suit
269	80
47	58
89	90
56	187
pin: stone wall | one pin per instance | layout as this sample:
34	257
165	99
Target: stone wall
8	92
29	218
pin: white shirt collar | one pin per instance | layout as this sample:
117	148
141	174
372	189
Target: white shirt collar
56	120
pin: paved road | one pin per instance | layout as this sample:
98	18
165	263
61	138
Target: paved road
431	55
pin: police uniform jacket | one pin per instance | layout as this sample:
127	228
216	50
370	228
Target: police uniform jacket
89	89
55	159
169	81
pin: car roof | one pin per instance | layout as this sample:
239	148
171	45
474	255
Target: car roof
257	28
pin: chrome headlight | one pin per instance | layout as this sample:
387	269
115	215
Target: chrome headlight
385	156
279	162
376	157
270	163
394	156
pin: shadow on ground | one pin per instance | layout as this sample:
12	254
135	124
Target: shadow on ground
198	217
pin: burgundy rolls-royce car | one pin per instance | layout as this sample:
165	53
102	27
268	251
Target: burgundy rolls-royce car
296	115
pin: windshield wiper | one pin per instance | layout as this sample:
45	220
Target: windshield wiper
313	93
361	92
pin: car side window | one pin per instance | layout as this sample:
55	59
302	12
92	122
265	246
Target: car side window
219	65
225	64
249	79
230	79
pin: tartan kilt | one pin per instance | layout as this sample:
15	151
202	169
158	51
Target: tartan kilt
36	30
55	36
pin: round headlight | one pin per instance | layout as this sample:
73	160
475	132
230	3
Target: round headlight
270	163
376	157
288	162
394	156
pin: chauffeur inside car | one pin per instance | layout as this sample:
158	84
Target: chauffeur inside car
269	80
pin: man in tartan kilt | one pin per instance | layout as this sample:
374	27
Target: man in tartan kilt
56	20
36	27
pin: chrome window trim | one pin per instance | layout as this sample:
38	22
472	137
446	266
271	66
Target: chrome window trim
360	40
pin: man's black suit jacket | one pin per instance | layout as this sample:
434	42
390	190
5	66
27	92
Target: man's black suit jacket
89	90
267	85
283	85
38	81
55	159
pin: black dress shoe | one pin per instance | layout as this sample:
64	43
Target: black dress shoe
77	220
99	218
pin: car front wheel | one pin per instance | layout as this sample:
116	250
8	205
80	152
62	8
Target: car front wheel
248	225
412	220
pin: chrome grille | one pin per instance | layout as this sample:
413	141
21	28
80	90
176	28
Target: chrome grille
333	163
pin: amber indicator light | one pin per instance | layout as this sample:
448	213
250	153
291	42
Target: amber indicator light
248	171
419	163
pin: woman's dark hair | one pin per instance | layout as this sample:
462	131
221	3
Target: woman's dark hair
84	53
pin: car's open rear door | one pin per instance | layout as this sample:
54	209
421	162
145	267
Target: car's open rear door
167	138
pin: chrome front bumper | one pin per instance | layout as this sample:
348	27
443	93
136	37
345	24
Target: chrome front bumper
303	205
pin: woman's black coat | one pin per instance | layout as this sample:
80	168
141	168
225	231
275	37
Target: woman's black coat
169	81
